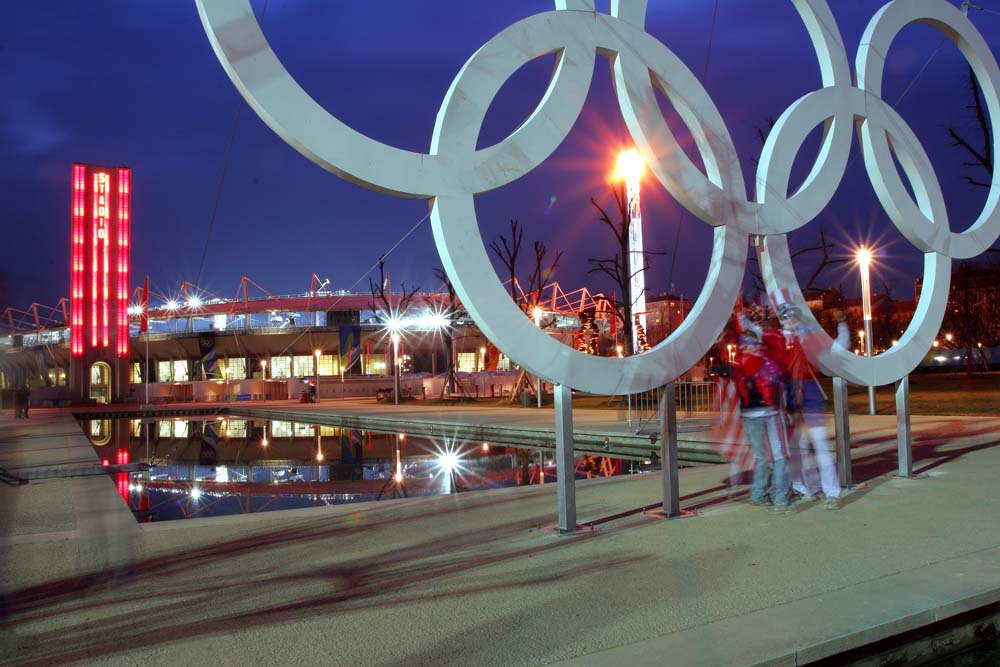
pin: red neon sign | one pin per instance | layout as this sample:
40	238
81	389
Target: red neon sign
124	224
100	256
76	268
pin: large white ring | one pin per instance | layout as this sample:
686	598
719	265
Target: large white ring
453	171
927	230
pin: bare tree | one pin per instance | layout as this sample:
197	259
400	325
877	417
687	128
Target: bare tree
541	275
507	252
982	158
447	333
381	302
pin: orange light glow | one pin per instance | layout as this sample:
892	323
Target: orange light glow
629	166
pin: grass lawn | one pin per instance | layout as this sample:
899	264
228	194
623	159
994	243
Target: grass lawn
934	394
930	394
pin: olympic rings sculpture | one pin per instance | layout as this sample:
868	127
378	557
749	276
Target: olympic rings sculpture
453	171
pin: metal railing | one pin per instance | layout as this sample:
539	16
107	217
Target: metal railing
693	399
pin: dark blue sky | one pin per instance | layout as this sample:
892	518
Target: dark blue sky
137	83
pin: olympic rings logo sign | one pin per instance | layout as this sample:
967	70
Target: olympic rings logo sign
453	171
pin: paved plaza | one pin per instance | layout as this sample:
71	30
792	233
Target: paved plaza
478	579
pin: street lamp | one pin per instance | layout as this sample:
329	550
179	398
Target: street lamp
864	259
537	312
395	365
317	353
263	378
628	169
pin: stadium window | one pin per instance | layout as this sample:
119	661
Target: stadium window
303	366
181	370
281	367
164	371
468	362
237	368
327	365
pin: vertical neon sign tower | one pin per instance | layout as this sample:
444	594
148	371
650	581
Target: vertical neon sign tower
629	169
99	279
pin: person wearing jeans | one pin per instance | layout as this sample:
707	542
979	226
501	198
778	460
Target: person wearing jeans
766	432
806	400
759	380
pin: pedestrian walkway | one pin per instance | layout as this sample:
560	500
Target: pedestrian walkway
476	579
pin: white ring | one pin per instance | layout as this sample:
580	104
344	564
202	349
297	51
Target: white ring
926	229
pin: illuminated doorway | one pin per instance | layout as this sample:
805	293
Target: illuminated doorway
100	382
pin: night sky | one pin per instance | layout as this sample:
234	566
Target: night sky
136	83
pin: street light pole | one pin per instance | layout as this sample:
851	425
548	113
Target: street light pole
263	379
864	261
395	366
628	169
538	381
317	375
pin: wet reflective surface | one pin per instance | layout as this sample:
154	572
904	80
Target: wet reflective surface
201	467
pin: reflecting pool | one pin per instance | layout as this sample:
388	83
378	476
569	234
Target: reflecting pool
202	467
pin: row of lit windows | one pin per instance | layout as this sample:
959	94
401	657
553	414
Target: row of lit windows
235	368
228	428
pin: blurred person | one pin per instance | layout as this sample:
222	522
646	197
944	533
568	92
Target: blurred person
758	379
813	455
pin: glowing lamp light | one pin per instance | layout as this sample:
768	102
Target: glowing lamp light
629	166
864	257
319	455
194	302
172	305
948	337
486	446
435	321
537	313
195	493
448	461
263	442
398	477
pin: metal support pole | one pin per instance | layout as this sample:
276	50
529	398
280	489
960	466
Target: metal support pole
842	426
566	489
395	368
903	432
668	449
145	374
538	390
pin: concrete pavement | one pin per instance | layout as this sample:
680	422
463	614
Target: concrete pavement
475	579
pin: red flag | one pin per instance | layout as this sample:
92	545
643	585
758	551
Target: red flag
729	437
144	316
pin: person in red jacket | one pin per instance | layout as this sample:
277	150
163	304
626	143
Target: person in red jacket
814	461
759	382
